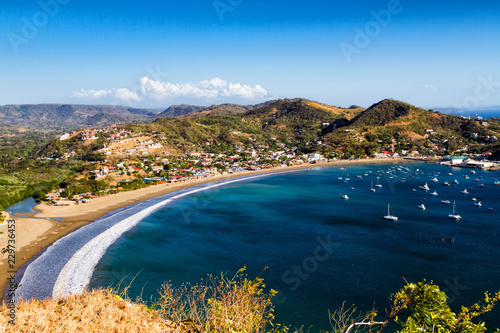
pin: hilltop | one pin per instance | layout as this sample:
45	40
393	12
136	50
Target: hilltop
194	110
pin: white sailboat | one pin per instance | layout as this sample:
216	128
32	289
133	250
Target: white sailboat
453	215
389	216
378	185
424	187
371	188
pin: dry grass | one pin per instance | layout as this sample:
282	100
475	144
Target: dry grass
220	304
96	311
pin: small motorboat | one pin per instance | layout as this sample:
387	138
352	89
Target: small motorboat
424	187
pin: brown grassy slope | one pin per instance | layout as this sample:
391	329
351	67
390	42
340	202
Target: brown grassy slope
345	113
220	304
97	311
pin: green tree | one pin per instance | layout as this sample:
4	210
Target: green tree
168	168
418	307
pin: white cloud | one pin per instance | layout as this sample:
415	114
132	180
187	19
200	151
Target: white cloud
122	94
150	90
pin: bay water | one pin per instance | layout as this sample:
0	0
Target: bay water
321	249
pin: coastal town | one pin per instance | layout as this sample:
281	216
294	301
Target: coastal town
128	160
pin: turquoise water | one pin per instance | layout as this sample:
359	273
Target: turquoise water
322	250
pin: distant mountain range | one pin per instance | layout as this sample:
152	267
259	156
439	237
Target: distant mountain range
67	116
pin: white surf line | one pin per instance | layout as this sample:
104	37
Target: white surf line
76	274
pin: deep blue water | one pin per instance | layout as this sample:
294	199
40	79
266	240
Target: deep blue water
284	221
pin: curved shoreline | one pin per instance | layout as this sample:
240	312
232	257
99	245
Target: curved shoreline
66	268
76	217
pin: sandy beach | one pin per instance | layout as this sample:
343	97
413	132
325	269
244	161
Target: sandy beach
33	235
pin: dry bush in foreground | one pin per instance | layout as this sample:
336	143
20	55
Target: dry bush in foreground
220	305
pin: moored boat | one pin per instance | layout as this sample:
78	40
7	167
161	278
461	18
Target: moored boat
453	215
424	187
389	216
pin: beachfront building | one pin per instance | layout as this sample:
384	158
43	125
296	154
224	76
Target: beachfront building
478	164
453	160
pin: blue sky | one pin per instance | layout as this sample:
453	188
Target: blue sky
158	53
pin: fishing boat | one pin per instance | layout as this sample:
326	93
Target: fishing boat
434	193
446	183
424	187
389	216
421	206
478	204
453	215
456	182
464	191
481	185
496	182
434	180
371	188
